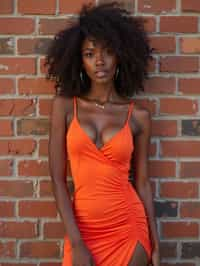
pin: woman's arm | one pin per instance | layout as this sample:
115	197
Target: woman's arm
142	182
57	166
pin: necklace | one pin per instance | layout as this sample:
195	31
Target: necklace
101	105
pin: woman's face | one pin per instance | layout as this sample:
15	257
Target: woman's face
99	61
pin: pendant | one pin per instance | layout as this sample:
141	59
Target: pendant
100	105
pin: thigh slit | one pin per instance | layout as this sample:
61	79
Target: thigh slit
139	256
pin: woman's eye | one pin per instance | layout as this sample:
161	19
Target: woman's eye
89	54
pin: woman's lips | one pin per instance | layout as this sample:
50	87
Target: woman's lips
100	74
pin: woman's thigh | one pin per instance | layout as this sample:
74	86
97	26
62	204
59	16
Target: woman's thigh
139	257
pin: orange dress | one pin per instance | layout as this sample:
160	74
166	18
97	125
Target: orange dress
109	214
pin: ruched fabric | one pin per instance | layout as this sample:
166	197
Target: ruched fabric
108	211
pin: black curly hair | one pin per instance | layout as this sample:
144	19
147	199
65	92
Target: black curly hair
121	31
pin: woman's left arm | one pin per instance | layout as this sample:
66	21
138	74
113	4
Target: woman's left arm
142	182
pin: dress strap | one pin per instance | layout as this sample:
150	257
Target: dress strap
75	106
131	105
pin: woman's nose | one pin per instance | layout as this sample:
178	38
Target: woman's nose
99	58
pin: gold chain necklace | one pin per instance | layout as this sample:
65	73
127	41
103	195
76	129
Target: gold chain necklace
100	105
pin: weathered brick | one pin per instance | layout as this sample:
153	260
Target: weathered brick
178	106
164	128
74	6
6	167
158	168
190	169
7	249
6	46
190	209
153	6
17	146
180	229
35	86
190	6
160	85
33	126
33	46
189	85
179	64
6	86
190	250
166	208
33	168
17	65
163	44
180	24
16	188
6	6
37	209
43	7
6	127
17	25
168	249
52	26
39	249
180	190
190	45
17	107
53	230
127	4
18	229
190	127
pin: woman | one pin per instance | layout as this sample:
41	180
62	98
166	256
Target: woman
97	64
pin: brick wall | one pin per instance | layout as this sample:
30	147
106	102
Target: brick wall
30	229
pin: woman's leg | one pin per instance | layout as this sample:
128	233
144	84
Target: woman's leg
139	257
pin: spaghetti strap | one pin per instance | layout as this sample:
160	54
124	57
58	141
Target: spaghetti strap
131	105
75	106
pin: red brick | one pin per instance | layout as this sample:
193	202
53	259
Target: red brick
190	169
179	190
54	230
35	86
179	64
43	147
178	106
18	264
190	45
154	6
16	188
37	209
17	107
49	264
160	85
191	6
18	229
164	128
33	126
6	167
181	148
6	86
190	209
181	24
17	65
46	188
180	229
162	168
44	7
52	26
7	209
45	106
73	7
17	146
168	249
6	6
6	128
189	85
33	168
17	25
127	4
7	249
163	44
33	46
39	249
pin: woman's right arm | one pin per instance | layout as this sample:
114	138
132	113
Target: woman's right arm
57	167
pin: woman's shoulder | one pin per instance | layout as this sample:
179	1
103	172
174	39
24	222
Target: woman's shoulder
142	115
62	104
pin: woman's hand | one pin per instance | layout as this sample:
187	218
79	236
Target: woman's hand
155	259
81	256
